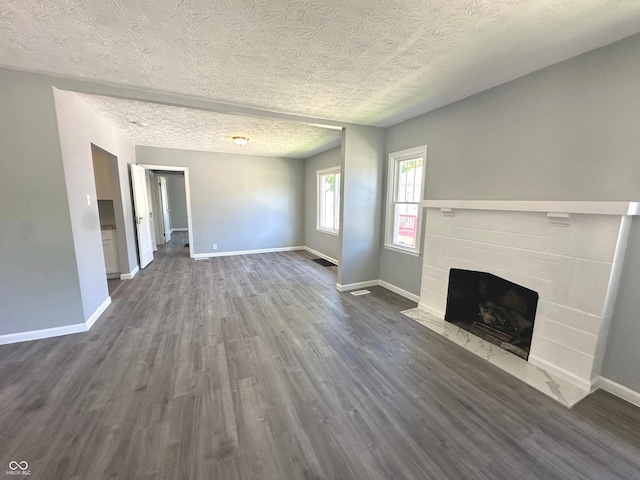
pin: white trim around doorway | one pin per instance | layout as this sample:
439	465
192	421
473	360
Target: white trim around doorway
173	168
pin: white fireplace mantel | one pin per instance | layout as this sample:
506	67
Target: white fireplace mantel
591	207
570	252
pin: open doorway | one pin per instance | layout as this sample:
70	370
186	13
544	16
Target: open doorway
168	193
171	203
110	210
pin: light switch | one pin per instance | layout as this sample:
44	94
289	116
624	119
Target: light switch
88	199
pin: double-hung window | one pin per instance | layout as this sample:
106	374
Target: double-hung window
404	193
329	200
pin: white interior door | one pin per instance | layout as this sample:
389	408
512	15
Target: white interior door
143	217
166	211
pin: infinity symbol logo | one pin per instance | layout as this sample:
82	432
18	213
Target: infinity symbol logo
13	465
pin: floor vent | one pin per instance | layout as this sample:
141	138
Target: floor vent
360	292
323	262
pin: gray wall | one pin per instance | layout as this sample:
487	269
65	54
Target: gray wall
177	201
361	209
39	285
321	242
569	132
79	127
239	202
622	356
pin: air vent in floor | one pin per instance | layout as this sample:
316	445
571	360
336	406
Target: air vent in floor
323	262
360	292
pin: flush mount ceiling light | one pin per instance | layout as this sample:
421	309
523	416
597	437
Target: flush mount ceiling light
241	140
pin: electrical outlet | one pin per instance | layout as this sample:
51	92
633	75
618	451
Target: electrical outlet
215	246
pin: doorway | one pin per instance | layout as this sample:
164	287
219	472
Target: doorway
169	196
110	210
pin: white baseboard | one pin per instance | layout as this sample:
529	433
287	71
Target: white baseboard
403	293
129	276
245	252
179	230
99	311
618	390
44	333
353	286
321	255
55	331
576	381
381	283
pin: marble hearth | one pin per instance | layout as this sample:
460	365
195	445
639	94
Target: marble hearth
570	253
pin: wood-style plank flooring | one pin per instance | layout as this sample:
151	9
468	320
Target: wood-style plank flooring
255	367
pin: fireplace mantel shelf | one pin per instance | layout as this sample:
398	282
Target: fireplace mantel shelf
582	207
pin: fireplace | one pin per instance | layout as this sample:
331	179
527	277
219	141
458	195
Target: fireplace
568	255
492	308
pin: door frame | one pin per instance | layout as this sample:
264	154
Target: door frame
172	168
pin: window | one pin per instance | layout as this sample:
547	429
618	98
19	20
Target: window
329	200
404	193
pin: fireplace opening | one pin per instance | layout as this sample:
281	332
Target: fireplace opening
492	308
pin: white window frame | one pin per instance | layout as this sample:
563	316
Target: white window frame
319	175
392	181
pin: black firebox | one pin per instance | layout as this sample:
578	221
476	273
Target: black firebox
492	308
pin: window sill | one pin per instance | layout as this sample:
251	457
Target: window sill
406	251
335	233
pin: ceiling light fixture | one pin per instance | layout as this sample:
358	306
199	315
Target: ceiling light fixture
241	140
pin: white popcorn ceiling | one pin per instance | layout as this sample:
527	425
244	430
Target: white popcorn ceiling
372	62
166	126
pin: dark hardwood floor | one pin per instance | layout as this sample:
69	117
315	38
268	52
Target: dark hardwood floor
255	367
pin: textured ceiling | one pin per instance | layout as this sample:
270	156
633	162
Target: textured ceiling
165	126
360	61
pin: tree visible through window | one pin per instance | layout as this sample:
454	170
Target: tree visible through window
329	200
406	173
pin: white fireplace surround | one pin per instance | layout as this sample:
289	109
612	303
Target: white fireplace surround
570	253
